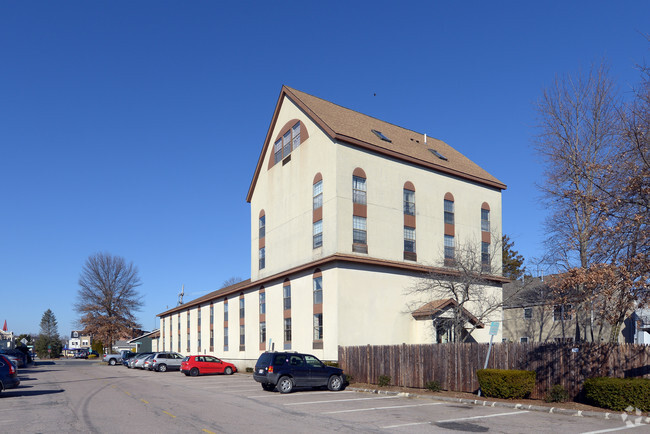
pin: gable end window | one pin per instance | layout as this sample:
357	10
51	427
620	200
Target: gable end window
289	141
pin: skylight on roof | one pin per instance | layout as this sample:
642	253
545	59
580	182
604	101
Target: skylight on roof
437	154
381	136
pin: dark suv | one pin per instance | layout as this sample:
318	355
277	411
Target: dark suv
8	375
288	370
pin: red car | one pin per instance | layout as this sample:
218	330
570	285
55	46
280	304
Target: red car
195	365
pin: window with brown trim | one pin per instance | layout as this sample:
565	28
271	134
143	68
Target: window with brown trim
409	202
289	141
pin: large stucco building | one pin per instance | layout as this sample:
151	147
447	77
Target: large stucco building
347	211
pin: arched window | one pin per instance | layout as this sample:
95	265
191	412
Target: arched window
292	134
409	221
449	218
359	212
286	295
317	220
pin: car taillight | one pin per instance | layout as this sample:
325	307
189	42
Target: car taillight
271	369
12	370
153	361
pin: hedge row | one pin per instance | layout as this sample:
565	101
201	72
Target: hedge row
506	383
618	393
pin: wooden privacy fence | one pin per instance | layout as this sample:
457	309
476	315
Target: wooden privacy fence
454	365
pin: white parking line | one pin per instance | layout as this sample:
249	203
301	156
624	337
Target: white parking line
381	408
483	417
457	420
615	429
278	395
341	400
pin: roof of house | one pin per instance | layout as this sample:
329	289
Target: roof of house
338	257
436	307
152	335
356	129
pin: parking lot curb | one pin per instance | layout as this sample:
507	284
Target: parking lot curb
635	419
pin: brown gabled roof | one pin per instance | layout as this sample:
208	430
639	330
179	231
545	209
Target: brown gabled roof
438	306
354	128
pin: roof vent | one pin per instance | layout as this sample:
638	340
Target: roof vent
437	154
381	136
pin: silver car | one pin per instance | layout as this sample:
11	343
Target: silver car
162	362
138	360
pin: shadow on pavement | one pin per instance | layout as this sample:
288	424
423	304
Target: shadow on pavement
21	392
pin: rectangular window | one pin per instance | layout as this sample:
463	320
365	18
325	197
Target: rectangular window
277	150
409	239
359	230
287	296
262	258
242	313
485	256
318	326
211	339
296	135
318	194
211	315
242	336
318	234
225	312
449	212
262	303
528	313
286	144
523	340
359	190
485	220
561	312
262	230
262	332
225	338
450	248
409	202
287	332
188	343
318	290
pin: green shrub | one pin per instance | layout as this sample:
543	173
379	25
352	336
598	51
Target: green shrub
505	383
618	393
433	386
383	381
557	394
330	363
348	378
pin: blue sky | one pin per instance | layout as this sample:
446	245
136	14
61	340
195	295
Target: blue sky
134	127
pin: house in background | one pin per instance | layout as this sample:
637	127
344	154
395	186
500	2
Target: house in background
144	343
347	212
531	315
641	323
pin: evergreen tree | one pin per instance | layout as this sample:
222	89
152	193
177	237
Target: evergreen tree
513	262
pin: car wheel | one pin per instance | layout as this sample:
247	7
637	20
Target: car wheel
335	383
228	371
112	362
194	372
162	368
285	385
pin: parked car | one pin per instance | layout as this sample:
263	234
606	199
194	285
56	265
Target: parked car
139	363
8	374
126	357
93	355
287	371
162	362
81	354
112	359
16	354
148	361
196	365
133	360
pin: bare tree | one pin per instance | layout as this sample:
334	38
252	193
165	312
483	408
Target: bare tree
460	295
231	281
107	297
577	140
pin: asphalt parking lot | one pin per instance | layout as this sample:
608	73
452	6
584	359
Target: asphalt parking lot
86	396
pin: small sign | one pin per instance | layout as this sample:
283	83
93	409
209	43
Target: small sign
494	328
574	350
24	341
